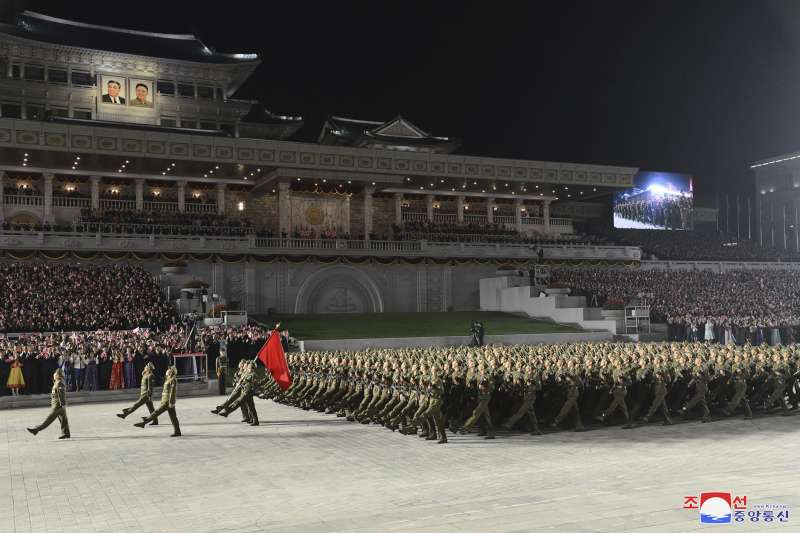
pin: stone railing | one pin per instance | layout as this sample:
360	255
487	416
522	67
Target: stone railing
475	219
158	229
155	205
117	205
414	216
23	200
445	218
190	207
67	201
250	244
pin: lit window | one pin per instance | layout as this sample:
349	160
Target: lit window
240	206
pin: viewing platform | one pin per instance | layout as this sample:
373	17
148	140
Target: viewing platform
250	244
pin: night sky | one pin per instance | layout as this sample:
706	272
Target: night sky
698	87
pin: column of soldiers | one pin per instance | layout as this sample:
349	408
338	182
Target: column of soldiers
670	212
428	391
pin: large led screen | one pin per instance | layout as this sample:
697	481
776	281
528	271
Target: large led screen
658	200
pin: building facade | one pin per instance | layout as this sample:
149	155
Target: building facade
150	127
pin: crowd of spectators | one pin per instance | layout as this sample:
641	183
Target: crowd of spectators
109	360
59	297
698	245
162	223
21	190
749	305
477	233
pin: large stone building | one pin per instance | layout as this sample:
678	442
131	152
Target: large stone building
150	126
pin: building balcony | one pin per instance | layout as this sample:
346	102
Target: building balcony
250	244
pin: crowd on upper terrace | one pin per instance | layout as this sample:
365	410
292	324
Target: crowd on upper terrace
699	245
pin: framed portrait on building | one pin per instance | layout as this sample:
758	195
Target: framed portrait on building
141	93
113	89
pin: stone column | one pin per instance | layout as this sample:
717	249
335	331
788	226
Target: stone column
181	196
139	194
368	192
518	214
489	211
2	197
284	209
95	182
221	187
546	215
460	209
48	198
429	202
795	216
398	208
346	221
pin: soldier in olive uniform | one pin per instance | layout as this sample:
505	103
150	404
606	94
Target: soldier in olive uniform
245	399
481	412
660	379
168	399
571	404
145	394
619	389
58	404
700	382
222	369
530	387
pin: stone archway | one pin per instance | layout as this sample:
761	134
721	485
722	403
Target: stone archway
24	217
338	289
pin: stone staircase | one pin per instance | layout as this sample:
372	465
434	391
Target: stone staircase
512	294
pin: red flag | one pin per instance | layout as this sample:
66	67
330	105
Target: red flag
273	357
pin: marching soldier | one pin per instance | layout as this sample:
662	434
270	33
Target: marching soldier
58	404
222	370
145	394
245	399
168	399
573	385
619	390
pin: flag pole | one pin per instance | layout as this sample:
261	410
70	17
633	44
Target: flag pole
268	338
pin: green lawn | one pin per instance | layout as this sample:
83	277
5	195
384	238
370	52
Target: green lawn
393	325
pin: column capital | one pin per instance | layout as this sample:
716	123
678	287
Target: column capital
221	186
95	179
398	196
284	186
48	176
369	189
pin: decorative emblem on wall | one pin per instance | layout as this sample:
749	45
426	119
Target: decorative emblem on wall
314	215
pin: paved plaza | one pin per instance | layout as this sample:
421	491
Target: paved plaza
304	471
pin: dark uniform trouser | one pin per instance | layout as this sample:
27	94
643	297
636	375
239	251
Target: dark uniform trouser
221	384
739	397
235	398
698	398
526	408
61	414
617	403
143	400
245	401
173	417
660	400
481	414
434	412
778	395
569	405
